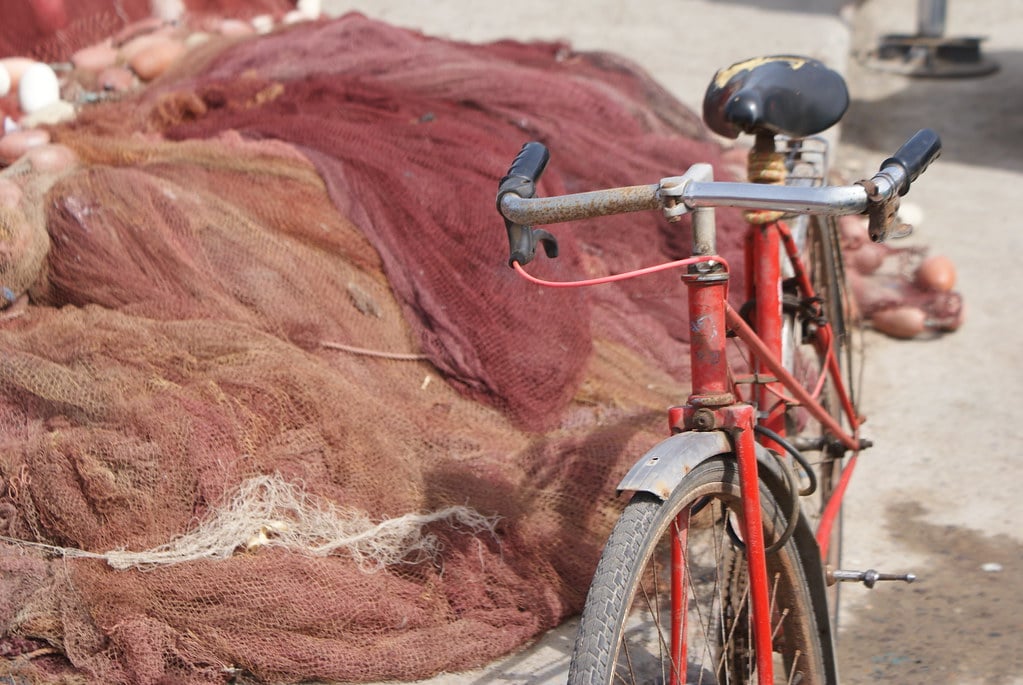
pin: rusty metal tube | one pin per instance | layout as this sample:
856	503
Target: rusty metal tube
552	210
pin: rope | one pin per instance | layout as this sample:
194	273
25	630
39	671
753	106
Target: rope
396	356
765	165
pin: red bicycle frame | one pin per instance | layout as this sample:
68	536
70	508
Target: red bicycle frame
714	404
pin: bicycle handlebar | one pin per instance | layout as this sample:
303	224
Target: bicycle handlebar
893	180
915	155
878	197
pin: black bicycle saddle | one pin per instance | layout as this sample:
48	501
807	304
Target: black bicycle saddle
793	96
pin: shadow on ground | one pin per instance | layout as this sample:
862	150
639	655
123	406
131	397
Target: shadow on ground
990	108
965	613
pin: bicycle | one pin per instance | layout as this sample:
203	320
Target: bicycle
717	570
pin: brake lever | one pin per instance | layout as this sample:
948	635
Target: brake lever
882	212
522	242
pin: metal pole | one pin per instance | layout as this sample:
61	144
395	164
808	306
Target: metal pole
930	18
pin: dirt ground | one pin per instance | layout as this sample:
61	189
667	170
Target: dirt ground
936	496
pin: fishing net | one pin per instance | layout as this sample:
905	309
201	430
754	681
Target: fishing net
277	407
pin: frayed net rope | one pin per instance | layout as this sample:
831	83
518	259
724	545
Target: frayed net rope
269	511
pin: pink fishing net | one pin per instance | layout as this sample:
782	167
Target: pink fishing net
271	288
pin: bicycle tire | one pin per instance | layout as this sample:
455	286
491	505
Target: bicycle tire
622	631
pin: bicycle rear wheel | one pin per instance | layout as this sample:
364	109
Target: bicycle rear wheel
818	245
625	633
820	252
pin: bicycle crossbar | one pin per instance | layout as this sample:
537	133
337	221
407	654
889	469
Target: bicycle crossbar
576	206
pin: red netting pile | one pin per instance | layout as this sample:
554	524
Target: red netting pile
277	406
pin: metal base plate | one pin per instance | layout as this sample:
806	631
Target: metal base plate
926	56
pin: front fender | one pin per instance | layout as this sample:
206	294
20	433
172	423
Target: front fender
661	469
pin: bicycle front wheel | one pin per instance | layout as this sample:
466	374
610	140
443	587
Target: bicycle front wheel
684	554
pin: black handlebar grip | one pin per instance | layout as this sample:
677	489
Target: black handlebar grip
521	179
916	155
526	170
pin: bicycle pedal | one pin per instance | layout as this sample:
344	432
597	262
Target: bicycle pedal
870	577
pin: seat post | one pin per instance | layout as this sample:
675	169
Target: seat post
767	165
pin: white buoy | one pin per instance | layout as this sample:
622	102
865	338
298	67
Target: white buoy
170	11
310	8
38	88
911	213
263	23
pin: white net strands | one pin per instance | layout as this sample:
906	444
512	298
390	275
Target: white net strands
267	511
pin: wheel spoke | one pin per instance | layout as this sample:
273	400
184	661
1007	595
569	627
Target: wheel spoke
793	673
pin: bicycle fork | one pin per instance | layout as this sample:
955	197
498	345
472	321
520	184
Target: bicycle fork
713	406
